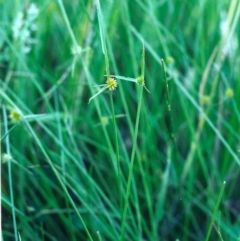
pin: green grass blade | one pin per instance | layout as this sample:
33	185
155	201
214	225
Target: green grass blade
10	180
215	211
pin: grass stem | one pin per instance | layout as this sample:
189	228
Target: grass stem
117	151
215	211
130	175
7	141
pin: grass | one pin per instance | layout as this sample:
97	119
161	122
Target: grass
129	165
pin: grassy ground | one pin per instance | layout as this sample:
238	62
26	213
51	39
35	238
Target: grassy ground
129	165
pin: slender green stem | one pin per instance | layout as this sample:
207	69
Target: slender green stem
218	233
9	130
130	175
59	126
67	23
143	62
75	46
107	65
105	52
117	151
10	172
19	236
171	131
62	157
215	211
159	210
103	37
107	69
99	236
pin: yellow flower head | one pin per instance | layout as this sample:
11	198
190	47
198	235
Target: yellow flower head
111	84
15	116
229	93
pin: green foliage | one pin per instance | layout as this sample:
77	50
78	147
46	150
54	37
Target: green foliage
129	165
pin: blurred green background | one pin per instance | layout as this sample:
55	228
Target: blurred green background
60	179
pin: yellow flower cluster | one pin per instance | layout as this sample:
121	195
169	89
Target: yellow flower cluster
111	84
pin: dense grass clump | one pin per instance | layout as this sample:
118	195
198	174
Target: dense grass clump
120	120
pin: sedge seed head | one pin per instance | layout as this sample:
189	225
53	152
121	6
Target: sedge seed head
140	80
15	116
170	60
111	84
104	120
6	157
206	99
229	93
